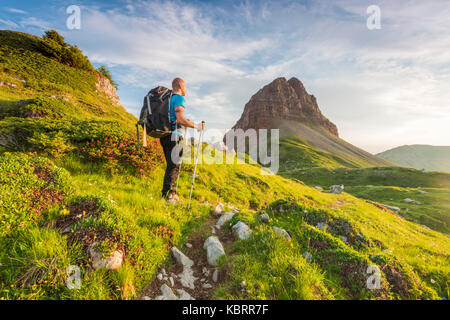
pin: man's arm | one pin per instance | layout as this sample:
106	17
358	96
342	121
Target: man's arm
181	120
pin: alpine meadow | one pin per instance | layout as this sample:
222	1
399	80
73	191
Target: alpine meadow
82	217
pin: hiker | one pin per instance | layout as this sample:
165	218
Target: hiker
173	140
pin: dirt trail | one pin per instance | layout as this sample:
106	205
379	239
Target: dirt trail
197	254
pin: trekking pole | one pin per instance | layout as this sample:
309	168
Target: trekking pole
137	134
195	166
181	163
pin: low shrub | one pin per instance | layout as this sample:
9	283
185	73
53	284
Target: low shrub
123	152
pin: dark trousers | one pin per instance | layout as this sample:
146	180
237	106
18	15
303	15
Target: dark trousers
172	169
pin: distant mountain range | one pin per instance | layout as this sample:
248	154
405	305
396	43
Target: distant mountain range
307	137
419	156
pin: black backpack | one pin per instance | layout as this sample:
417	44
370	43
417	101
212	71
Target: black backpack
154	117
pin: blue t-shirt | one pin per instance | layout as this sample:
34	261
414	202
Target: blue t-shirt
176	101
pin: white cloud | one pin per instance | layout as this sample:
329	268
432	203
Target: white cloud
14	10
380	87
35	22
9	23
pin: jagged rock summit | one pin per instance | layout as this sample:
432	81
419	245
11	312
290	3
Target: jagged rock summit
283	100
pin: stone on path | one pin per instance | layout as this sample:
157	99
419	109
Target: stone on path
214	250
241	230
215	276
224	218
167	293
187	278
181	258
184	295
218	209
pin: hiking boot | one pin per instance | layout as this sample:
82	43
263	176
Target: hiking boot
173	198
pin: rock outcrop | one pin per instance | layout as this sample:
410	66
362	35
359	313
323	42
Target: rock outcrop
283	100
104	85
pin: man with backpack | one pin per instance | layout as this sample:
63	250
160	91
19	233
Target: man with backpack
174	140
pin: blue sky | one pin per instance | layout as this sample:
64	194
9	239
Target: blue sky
382	88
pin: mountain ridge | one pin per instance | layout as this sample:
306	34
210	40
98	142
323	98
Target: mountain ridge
283	99
419	156
307	137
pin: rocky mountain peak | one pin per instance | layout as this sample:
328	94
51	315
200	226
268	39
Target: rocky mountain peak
283	100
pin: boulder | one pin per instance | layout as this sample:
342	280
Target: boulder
224	218
408	200
214	250
181	258
337	189
112	262
318	188
281	232
241	230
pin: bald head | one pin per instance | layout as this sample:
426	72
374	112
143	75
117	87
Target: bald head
179	86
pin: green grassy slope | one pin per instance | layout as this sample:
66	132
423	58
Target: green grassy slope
304	147
391	186
420	157
98	190
28	74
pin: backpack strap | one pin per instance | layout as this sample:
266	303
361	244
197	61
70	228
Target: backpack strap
148	104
